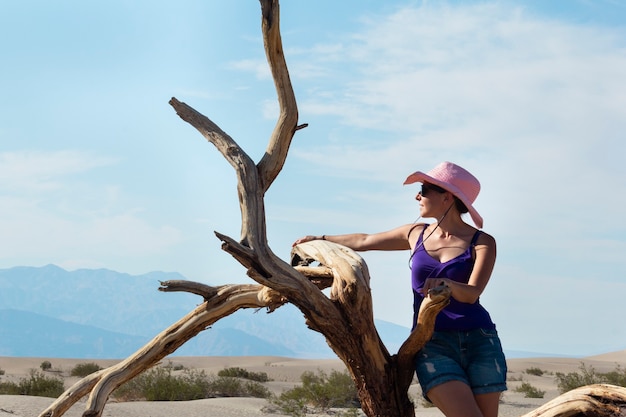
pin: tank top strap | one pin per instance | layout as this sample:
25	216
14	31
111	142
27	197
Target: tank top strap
421	238
421	233
475	238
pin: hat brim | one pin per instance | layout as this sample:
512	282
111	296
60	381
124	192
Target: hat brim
422	177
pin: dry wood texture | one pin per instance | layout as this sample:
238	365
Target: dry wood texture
600	400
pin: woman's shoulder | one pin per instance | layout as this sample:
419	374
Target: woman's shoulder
413	231
411	227
484	238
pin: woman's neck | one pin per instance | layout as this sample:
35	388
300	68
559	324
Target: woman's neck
451	224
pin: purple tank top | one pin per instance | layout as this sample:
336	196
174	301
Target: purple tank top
457	315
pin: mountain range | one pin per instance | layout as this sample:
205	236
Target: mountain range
98	313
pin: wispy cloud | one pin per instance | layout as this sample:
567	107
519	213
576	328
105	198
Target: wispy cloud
52	211
532	103
23	171
258	67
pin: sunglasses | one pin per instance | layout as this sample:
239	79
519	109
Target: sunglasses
427	188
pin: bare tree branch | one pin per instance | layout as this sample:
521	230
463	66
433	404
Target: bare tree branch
276	153
205	291
432	305
225	300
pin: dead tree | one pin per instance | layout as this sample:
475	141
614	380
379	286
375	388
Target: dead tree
344	317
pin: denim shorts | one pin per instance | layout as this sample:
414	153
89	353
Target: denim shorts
474	357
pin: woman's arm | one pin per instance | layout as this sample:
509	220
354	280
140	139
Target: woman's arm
485	250
395	239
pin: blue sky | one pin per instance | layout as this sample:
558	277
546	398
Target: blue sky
97	171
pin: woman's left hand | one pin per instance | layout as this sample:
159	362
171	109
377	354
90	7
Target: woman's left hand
431	283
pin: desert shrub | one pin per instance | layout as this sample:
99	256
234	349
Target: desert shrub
588	376
84	369
37	384
243	373
161	384
225	386
293	406
616	377
256	390
572	380
190	385
8	388
45	366
1	371
530	391
319	391
534	371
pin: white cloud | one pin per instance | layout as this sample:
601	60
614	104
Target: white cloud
425	69
53	213
26	171
258	67
532	104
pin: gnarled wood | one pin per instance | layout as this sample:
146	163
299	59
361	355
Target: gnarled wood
437	299
600	400
382	380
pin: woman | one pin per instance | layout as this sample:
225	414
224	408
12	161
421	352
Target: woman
462	369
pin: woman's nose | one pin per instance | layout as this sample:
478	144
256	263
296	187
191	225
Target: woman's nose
418	196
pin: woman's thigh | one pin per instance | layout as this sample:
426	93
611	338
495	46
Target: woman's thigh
455	399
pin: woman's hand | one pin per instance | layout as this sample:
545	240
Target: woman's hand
431	283
464	293
307	238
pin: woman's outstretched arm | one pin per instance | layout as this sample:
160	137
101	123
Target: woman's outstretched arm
394	239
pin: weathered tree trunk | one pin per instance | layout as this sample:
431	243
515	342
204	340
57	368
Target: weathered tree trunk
345	317
381	380
601	400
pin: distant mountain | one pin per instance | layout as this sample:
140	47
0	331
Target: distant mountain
51	312
110	300
24	333
233	342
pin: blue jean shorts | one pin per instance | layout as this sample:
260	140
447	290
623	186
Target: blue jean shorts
474	357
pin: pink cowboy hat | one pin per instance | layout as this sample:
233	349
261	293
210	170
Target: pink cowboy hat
456	180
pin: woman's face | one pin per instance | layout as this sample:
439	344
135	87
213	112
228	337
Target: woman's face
430	198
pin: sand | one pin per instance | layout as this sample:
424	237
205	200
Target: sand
285	373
